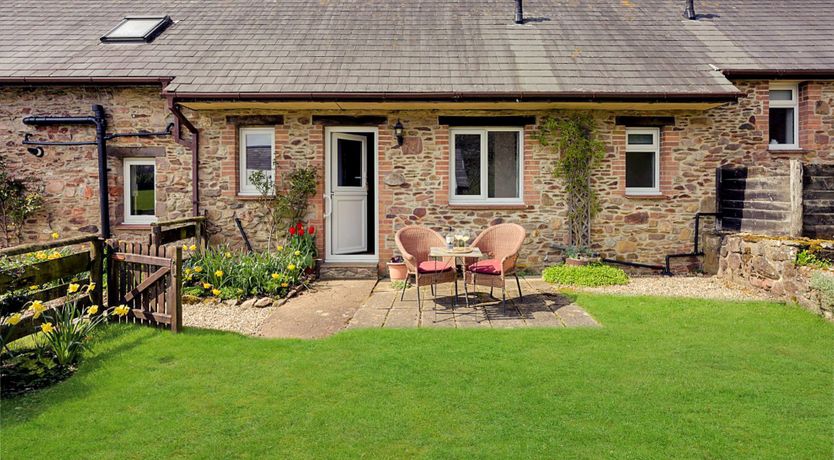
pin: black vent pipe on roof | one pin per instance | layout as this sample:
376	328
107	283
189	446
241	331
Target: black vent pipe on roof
519	12
690	10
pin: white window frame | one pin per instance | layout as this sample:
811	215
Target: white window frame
792	104
483	197
654	147
244	188
128	217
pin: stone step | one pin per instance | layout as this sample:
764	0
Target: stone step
349	271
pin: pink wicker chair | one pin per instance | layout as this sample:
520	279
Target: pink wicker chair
415	243
501	243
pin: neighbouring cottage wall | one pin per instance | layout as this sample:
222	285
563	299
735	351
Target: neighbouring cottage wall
768	264
68	175
413	180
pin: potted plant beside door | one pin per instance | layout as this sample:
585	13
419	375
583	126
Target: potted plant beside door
397	270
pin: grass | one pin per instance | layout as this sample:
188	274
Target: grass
665	378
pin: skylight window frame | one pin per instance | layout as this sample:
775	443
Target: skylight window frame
164	22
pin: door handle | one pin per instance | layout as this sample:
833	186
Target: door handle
328	206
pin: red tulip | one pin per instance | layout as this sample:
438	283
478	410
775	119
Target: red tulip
301	231
299	225
292	230
311	230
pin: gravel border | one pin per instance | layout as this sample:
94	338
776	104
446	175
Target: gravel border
698	287
225	316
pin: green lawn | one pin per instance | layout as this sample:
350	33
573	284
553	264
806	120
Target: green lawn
664	378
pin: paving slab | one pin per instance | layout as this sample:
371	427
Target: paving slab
320	312
573	316
402	317
368	318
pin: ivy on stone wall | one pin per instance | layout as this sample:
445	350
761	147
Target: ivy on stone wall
579	151
18	202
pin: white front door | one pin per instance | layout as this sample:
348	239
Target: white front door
348	182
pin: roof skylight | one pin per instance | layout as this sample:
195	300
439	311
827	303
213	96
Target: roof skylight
137	29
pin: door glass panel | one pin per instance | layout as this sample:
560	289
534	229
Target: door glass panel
349	167
502	164
640	169
467	164
142	191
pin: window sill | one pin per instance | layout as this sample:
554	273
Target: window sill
488	206
647	196
124	226
791	151
249	197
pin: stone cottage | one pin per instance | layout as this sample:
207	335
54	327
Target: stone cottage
420	112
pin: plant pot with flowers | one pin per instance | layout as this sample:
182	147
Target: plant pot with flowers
579	256
397	270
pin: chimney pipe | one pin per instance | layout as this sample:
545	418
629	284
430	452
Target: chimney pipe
519	12
690	10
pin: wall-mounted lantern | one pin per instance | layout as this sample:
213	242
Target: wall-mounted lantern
398	131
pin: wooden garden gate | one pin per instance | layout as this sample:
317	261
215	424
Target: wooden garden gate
148	279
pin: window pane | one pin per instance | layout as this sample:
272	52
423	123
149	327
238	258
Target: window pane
502	164
258	153
135	28
641	139
640	170
349	167
142	192
781	95
781	126
467	164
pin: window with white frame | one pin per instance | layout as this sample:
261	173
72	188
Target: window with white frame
257	153
486	165
140	190
783	116
642	161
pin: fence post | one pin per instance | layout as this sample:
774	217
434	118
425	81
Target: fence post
795	217
112	280
175	291
198	236
96	269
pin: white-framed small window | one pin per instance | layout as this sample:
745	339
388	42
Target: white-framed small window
140	190
642	171
257	153
783	116
486	165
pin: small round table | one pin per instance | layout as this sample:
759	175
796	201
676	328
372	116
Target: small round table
442	252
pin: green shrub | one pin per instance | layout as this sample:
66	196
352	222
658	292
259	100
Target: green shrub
587	275
807	258
824	284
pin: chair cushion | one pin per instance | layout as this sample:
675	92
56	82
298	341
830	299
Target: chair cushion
431	266
486	267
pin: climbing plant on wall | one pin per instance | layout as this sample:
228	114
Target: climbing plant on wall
18	202
579	151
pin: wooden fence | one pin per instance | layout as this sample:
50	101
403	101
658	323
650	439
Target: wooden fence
148	279
17	281
171	231
795	201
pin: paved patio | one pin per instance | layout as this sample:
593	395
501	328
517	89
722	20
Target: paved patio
541	307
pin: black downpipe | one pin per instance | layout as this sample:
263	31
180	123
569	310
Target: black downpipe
519	12
690	10
103	195
695	244
632	264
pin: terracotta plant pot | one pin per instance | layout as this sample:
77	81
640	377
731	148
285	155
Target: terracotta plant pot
397	271
576	262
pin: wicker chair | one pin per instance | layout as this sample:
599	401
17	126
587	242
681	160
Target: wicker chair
415	243
501	243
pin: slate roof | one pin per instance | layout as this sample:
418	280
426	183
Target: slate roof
420	46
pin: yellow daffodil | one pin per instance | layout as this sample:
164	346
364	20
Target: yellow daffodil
291	267
91	287
47	328
216	292
33	287
73	288
121	310
185	247
14	319
93	309
55	235
206	285
187	271
275	276
280	248
189	277
37	308
40	255
218	273
228	255
198	269
283	285
298	253
54	255
193	247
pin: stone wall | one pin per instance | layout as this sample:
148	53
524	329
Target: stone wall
768	264
413	180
